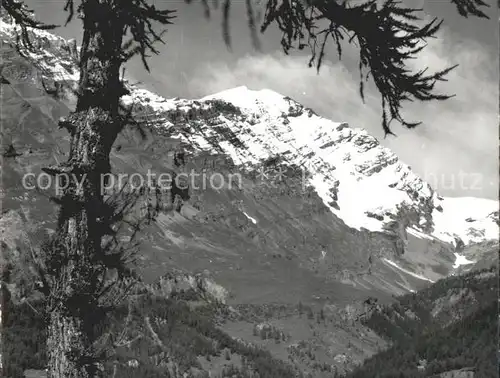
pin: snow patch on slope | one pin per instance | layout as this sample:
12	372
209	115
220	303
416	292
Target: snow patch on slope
143	96
413	274
252	219
471	219
418	234
461	260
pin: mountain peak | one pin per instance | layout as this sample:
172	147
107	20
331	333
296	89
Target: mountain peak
361	182
258	101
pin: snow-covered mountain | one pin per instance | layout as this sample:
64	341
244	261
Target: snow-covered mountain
361	182
377	207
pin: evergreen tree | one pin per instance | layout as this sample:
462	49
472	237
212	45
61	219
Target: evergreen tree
78	262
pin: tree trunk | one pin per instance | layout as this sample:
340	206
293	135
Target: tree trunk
74	264
66	334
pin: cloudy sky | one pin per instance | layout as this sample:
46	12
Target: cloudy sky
456	147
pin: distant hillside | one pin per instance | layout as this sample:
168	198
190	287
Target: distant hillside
152	336
183	328
449	326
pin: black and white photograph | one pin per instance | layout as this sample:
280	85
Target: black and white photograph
249	188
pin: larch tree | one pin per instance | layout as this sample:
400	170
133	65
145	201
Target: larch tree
77	263
81	267
387	33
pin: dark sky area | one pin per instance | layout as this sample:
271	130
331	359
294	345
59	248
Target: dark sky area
456	147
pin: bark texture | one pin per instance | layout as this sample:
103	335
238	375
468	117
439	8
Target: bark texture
75	263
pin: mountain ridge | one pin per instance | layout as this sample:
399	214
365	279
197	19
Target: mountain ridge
470	220
361	184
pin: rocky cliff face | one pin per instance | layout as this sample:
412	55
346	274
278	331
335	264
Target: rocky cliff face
276	201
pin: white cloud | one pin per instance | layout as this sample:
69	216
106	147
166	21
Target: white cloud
458	135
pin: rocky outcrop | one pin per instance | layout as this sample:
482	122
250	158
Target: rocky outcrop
199	285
